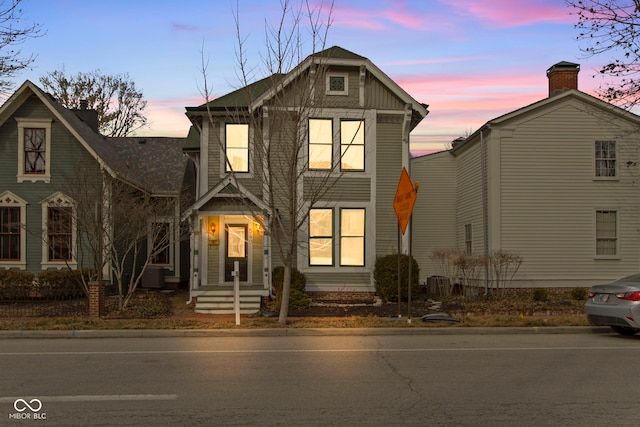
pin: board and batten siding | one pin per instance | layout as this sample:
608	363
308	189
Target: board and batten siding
388	169
434	214
548	197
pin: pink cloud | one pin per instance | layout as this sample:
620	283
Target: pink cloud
507	13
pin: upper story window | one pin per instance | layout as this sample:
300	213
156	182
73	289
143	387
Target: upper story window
34	149
12	232
605	159
237	147
320	143
352	145
337	84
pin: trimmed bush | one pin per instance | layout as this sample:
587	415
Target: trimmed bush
579	294
385	275
298	280
61	284
15	284
298	300
540	295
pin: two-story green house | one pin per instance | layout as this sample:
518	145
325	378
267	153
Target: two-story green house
317	151
49	155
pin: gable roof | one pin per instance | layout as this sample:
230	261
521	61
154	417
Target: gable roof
546	102
114	154
254	95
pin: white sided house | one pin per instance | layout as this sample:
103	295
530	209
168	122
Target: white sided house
556	182
353	122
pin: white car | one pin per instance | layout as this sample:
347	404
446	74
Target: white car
616	304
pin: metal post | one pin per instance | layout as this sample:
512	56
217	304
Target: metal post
399	271
236	290
409	278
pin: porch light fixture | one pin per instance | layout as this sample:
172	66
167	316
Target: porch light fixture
212	228
257	227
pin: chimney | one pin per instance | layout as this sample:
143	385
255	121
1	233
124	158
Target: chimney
563	76
84	104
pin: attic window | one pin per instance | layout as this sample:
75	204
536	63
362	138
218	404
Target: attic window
34	149
337	84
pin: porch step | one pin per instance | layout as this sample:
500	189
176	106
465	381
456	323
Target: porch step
224	304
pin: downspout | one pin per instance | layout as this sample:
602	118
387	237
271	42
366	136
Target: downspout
485	211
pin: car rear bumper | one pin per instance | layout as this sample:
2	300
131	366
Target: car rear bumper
607	315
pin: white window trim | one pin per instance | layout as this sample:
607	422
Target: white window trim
617	168
171	243
58	199
595	234
38	124
10	200
223	148
344	92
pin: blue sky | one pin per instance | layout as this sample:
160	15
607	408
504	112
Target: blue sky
470	60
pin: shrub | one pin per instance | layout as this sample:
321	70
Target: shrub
579	294
385	275
15	284
61	284
298	300
540	295
298	280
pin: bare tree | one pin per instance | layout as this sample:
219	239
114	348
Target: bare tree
119	104
611	28
13	32
279	118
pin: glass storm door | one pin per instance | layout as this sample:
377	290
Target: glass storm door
236	250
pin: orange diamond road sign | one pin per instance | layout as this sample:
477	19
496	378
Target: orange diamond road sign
405	199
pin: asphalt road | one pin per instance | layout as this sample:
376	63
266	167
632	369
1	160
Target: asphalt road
370	380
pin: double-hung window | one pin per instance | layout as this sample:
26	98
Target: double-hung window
34	149
350	235
468	239
237	147
60	233
606	233
352	145
12	232
160	243
320	144
605	159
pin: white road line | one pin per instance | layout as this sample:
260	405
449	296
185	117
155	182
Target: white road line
356	350
96	398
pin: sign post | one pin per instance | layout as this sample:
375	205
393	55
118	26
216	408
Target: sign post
403	203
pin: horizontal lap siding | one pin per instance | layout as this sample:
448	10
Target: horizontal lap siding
345	189
334	280
434	214
468	208
549	198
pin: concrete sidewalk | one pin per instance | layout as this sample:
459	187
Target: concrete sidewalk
272	332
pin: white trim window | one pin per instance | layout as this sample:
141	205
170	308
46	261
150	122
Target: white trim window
12	231
34	149
337	84
237	147
606	233
605	159
59	232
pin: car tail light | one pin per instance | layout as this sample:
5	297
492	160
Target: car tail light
592	294
629	296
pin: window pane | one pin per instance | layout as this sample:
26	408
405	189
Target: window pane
321	237
237	147
352	144
59	233
606	232
34	150
161	248
9	233
605	158
320	143
352	236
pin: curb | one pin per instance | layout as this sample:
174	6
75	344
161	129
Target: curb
281	332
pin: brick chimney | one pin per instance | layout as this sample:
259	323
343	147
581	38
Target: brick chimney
563	76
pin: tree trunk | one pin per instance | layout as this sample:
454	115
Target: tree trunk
286	290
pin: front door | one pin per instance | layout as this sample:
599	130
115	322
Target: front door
236	250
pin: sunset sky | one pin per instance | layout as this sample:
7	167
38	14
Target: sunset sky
470	60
